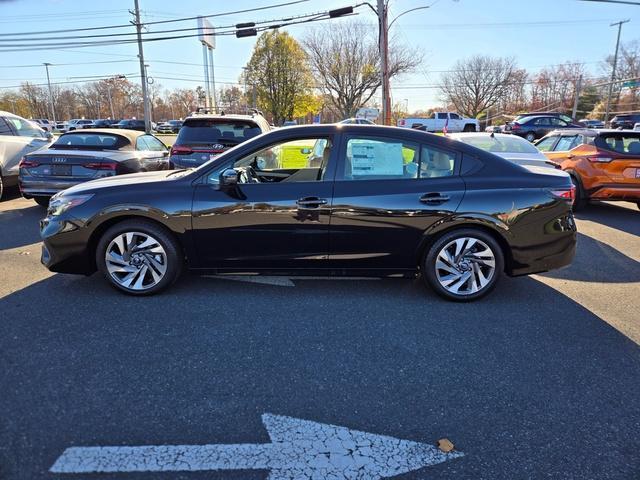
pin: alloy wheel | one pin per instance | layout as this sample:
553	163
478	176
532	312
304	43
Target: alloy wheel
465	266
136	261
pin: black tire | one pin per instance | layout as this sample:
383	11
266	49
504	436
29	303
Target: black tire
42	201
581	199
530	137
174	258
429	271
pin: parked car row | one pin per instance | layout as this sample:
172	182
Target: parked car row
171	126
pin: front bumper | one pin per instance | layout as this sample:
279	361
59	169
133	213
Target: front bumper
64	246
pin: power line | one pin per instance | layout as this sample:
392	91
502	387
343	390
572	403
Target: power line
127	25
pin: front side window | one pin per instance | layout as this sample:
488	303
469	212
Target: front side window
147	142
25	128
301	160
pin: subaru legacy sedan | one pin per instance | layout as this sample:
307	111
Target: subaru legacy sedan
370	201
84	155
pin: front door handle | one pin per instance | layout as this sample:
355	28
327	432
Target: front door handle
311	202
434	198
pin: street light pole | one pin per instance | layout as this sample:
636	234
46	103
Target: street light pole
613	70
143	69
51	105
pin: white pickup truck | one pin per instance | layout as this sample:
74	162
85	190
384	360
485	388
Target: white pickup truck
438	120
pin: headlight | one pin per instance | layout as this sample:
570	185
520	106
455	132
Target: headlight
61	203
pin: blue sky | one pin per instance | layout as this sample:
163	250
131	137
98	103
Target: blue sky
537	33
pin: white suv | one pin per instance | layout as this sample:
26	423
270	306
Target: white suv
18	136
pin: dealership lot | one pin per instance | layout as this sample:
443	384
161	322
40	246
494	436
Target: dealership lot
541	379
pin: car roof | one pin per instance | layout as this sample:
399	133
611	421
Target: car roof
131	135
585	131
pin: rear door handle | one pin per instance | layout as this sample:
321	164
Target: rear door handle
434	198
311	202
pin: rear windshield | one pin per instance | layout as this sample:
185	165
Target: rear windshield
90	141
624	142
499	144
208	131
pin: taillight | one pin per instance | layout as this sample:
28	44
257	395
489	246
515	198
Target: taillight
101	166
568	194
599	159
24	163
178	150
515	126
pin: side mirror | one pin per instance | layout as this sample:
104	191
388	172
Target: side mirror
49	135
229	178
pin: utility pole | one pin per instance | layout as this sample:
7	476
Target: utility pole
383	32
51	106
613	70
577	96
143	70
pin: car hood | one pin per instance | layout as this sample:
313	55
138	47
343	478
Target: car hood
120	181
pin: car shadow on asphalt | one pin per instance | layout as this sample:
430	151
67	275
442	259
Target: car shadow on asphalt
525	380
613	216
598	262
29	226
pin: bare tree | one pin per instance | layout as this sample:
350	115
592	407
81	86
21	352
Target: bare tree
478	83
346	62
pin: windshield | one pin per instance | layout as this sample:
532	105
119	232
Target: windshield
90	141
209	131
499	144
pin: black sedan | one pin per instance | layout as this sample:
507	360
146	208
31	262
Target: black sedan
131	124
368	200
537	126
84	155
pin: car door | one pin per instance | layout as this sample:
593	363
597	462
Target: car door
388	192
278	215
18	137
153	153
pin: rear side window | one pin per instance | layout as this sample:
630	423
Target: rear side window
25	128
210	131
389	159
627	143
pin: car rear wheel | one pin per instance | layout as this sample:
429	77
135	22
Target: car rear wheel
581	199
530	136
42	201
139	257
463	265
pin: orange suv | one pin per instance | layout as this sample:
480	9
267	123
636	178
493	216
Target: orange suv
603	164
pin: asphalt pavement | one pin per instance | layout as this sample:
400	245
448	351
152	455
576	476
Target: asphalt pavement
539	380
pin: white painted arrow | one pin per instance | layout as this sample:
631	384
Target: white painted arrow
300	449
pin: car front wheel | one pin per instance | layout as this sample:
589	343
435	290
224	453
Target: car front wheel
139	257
463	265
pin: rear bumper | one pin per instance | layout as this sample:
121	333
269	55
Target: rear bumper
616	192
45	188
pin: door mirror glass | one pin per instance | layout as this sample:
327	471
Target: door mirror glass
229	178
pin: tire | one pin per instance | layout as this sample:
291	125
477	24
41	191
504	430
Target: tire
444	272
581	199
530	137
1	187
42	201
144	271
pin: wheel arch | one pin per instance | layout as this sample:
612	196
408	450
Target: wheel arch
120	217
499	232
